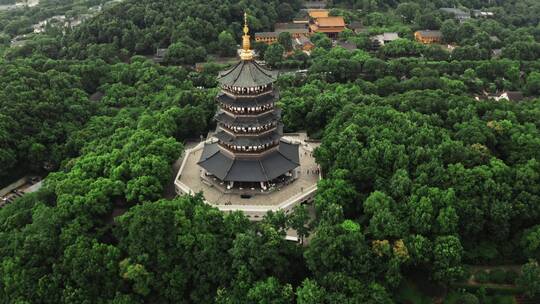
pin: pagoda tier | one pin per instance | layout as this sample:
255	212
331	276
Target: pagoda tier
248	124
248	144
269	166
241	103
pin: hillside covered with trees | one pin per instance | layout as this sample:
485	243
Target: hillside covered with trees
426	188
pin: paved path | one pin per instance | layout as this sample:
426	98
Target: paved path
169	191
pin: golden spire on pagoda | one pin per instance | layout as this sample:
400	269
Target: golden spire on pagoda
246	53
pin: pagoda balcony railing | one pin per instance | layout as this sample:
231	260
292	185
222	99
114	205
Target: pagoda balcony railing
249	149
247	91
250	130
239	96
247	110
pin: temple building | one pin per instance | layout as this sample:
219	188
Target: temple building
266	37
330	26
297	30
247	163
428	36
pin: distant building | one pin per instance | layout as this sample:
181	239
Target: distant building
97	96
160	55
458	14
496	53
482	14
506	95
301	20
20	40
347	45
266	37
356	26
302	43
331	26
58	20
428	36
318	13
295	29
302	17
161	52
199	66
383	38
510	96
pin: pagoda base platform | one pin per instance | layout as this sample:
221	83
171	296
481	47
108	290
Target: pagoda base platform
246	189
286	192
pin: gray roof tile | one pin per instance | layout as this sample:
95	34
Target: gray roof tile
268	167
247	73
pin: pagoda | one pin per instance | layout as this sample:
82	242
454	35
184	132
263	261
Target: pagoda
247	148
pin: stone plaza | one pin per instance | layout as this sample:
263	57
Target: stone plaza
191	179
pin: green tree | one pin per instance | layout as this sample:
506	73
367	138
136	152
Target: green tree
274	54
383	223
530	242
533	84
181	53
529	279
447	253
322	41
143	189
138	275
285	12
447	221
428	21
226	44
338	248
421	212
164	261
408	11
285	39
270	291
299	221
466	30
420	249
310	292
449	30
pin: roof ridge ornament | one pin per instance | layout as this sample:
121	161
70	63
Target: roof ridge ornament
246	53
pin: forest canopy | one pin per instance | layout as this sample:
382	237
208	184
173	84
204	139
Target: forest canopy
428	185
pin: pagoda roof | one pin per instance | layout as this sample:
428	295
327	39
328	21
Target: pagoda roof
268	167
246	140
258	120
247	73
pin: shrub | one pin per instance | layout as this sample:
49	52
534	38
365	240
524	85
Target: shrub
511	277
497	276
467	298
481	276
502	300
467	273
